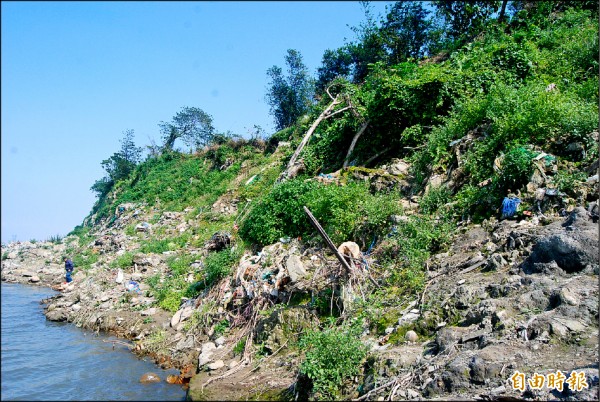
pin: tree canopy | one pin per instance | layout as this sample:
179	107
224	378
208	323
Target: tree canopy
192	125
119	165
289	97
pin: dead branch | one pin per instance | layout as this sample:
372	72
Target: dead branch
354	140
317	226
307	136
374	390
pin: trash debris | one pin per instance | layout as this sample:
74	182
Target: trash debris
133	286
119	276
219	241
509	206
250	180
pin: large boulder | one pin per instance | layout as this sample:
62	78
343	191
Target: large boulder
572	249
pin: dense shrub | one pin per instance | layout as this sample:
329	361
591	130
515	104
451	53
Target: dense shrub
332	356
348	212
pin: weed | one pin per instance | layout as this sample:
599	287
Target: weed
239	347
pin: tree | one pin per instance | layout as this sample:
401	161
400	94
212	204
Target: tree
369	48
289	97
465	19
335	63
406	31
119	165
192	125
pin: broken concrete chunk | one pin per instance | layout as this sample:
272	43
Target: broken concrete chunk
295	268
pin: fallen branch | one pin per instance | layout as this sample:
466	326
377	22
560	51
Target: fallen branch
317	226
377	155
324	115
384	386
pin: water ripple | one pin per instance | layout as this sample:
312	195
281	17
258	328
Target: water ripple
42	360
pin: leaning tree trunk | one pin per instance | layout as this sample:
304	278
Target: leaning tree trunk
354	141
310	131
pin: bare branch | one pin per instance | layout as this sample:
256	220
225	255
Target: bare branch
354	141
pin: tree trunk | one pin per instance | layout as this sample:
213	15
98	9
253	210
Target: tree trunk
308	134
354	141
502	10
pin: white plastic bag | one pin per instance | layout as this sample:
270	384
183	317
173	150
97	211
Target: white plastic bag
119	276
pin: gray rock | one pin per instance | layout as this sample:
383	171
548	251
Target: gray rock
295	268
411	336
495	262
185	343
216	365
477	370
558	329
57	314
205	355
220	341
568	297
34	279
176	318
407	318
398	167
148	312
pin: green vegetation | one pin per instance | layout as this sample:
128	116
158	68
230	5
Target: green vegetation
218	265
348	212
332	356
481	103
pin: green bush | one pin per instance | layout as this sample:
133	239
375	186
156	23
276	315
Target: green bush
434	199
331	357
179	265
171	300
412	243
516	168
156	246
347	212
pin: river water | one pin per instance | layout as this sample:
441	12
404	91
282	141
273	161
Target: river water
45	360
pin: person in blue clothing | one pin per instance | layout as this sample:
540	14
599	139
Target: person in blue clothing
69	268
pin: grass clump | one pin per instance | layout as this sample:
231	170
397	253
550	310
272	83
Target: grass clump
218	265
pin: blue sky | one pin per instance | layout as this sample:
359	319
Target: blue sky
76	75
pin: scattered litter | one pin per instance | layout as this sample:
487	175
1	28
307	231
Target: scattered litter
250	180
509	206
133	286
119	276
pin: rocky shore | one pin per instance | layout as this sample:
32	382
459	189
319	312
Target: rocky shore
523	295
